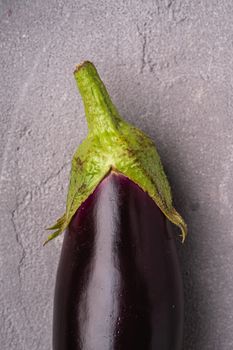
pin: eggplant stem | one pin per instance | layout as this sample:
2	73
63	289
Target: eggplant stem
112	143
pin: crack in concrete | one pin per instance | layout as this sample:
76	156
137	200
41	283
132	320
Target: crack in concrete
53	175
27	195
20	243
144	47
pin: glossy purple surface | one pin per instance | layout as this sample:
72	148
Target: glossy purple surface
118	284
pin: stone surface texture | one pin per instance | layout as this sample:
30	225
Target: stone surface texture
168	65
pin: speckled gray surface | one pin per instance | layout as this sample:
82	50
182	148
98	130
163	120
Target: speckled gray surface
169	68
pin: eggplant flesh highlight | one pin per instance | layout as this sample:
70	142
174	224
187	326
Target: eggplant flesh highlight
119	284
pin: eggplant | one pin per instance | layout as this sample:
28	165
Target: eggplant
119	284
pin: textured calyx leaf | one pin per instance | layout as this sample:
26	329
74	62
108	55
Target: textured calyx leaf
112	143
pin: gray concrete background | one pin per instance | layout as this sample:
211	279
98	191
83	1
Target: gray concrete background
168	66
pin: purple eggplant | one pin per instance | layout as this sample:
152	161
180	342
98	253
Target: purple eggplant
119	284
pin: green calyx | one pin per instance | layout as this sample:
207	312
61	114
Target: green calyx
112	144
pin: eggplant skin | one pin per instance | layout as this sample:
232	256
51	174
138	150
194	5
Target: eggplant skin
119	284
